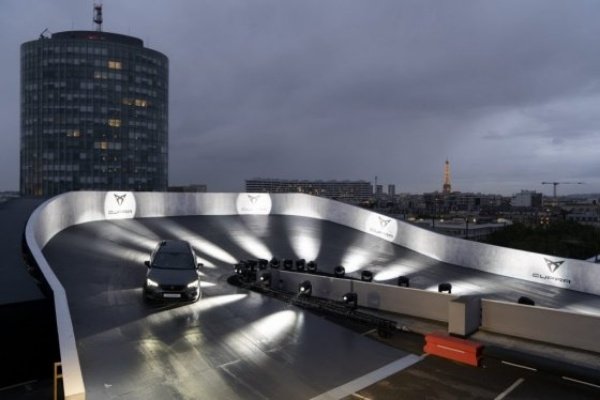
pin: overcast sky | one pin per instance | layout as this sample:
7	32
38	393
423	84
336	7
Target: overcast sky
508	91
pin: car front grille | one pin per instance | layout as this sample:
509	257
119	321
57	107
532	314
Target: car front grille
172	288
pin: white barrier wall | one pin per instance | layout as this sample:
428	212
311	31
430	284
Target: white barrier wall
388	298
402	300
544	269
549	325
75	208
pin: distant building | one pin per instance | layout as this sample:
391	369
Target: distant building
527	199
188	189
391	190
94	114
459	227
437	202
347	191
582	210
378	190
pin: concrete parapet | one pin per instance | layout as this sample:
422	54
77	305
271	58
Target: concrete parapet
576	330
464	315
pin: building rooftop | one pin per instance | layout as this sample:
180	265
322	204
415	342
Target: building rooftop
306	180
99	36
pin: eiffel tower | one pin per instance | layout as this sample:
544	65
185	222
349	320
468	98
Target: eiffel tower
447	188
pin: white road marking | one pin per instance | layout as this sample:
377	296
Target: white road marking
228	363
509	389
582	382
369	379
519	366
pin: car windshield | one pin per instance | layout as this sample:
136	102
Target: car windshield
168	260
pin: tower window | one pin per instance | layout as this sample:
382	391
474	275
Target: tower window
114	64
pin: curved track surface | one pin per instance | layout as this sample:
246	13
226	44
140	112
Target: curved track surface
232	343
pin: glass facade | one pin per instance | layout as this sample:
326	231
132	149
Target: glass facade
94	114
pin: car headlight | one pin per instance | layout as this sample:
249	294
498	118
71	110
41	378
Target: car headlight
192	285
150	282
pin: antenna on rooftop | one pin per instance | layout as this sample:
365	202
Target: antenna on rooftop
43	34
98	16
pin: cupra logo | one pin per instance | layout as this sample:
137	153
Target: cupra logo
119	205
120	198
553	265
384	222
381	226
257	203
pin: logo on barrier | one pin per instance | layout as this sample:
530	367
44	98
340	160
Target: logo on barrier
553	265
384	222
381	226
120	198
258	203
119	205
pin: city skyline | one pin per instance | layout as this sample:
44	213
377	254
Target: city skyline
506	91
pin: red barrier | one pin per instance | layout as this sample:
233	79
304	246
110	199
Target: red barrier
453	348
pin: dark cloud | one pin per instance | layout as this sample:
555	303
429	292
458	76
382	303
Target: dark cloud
508	91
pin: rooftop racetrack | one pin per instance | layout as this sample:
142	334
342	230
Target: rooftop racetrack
233	343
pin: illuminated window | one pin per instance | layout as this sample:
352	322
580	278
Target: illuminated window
141	103
114	64
101	145
73	133
115	123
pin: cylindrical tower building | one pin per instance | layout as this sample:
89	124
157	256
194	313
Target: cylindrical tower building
94	114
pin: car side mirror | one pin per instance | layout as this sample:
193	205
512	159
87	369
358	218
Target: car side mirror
147	263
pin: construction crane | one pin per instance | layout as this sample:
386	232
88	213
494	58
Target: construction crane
555	184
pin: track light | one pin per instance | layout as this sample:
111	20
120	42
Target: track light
300	264
311	266
351	299
339	271
274	262
262	263
252	264
366	276
445	287
240	268
265	278
403	281
244	271
305	288
287	264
